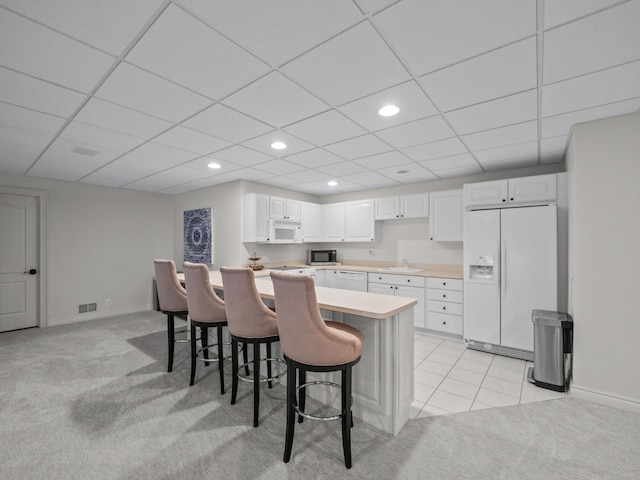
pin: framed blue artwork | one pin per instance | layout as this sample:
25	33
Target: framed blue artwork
198	235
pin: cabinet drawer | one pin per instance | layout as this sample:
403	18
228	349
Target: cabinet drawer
392	279
445	283
444	295
445	307
445	323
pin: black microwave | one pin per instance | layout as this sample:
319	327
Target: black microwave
321	257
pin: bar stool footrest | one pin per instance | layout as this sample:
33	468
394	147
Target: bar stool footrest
245	378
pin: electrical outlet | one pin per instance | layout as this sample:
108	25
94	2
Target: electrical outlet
108	302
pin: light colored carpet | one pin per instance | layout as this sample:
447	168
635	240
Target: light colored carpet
93	401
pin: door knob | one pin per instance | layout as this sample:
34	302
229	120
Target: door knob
33	271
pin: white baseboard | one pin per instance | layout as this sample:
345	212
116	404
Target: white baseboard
83	317
605	399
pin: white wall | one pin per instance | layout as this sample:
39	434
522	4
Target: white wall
101	243
603	166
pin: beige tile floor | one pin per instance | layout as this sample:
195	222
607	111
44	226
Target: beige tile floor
449	378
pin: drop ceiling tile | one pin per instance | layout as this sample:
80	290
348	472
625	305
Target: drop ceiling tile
556	13
552	149
460	171
203	162
242	155
372	6
368	178
307	175
325	128
275	100
501	72
263	143
82	132
381	160
183	49
408	173
28	120
315	158
35	94
593	43
279	167
136	89
517	108
455	161
607	86
353	64
142	162
120	172
461	29
119	119
43	53
512	156
561	124
441	148
344	168
62	163
251	174
418	132
411	100
277	31
110	26
158	152
499	137
165	179
280	181
359	147
191	140
223	122
20	148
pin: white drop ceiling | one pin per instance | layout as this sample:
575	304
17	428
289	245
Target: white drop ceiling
144	95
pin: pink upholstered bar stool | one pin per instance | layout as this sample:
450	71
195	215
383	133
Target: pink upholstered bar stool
172	299
206	310
310	343
250	322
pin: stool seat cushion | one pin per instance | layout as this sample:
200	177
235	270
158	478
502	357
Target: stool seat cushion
204	305
172	297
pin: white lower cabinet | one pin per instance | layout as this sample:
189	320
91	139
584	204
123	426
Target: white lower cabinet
444	305
402	286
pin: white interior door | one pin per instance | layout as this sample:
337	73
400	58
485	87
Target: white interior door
18	256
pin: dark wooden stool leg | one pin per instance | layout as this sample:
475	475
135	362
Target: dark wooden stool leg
256	382
170	339
204	340
193	353
302	393
220	358
245	358
234	370
269	383
346	415
291	421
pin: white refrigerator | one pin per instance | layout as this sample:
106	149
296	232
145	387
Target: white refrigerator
510	269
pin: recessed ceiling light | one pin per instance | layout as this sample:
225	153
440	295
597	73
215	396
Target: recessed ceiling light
278	145
214	165
388	111
332	183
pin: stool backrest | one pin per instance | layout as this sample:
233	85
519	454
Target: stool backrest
204	305
304	335
247	315
171	295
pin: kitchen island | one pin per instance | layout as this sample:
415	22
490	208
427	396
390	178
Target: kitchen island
383	380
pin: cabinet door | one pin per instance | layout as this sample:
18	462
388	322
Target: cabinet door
537	189
312	219
382	288
334	221
485	194
386	208
330	278
293	210
277	208
445	216
359	222
414	206
419	310
255	218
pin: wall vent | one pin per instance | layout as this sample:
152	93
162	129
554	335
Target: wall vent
87	307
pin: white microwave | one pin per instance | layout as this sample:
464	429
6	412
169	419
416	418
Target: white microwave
284	231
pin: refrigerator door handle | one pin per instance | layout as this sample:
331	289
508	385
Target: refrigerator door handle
496	269
503	268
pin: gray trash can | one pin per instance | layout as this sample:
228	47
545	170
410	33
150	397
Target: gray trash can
552	348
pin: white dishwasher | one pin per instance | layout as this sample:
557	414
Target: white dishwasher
351	280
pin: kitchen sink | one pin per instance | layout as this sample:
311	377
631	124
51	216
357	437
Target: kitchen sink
400	269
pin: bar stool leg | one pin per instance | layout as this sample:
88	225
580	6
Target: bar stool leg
269	382
193	353
220	359
291	413
245	358
346	415
170	339
234	369
204	340
256	382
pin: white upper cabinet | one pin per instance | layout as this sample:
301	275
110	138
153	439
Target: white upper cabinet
535	190
445	216
255	217
359	221
408	206
313	223
334	222
284	208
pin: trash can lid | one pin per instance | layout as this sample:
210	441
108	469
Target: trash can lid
551	318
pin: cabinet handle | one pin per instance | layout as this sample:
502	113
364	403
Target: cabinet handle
444	323
444	284
444	308
511	199
504	199
408	280
444	295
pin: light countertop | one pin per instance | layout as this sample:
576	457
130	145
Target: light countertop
443	271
